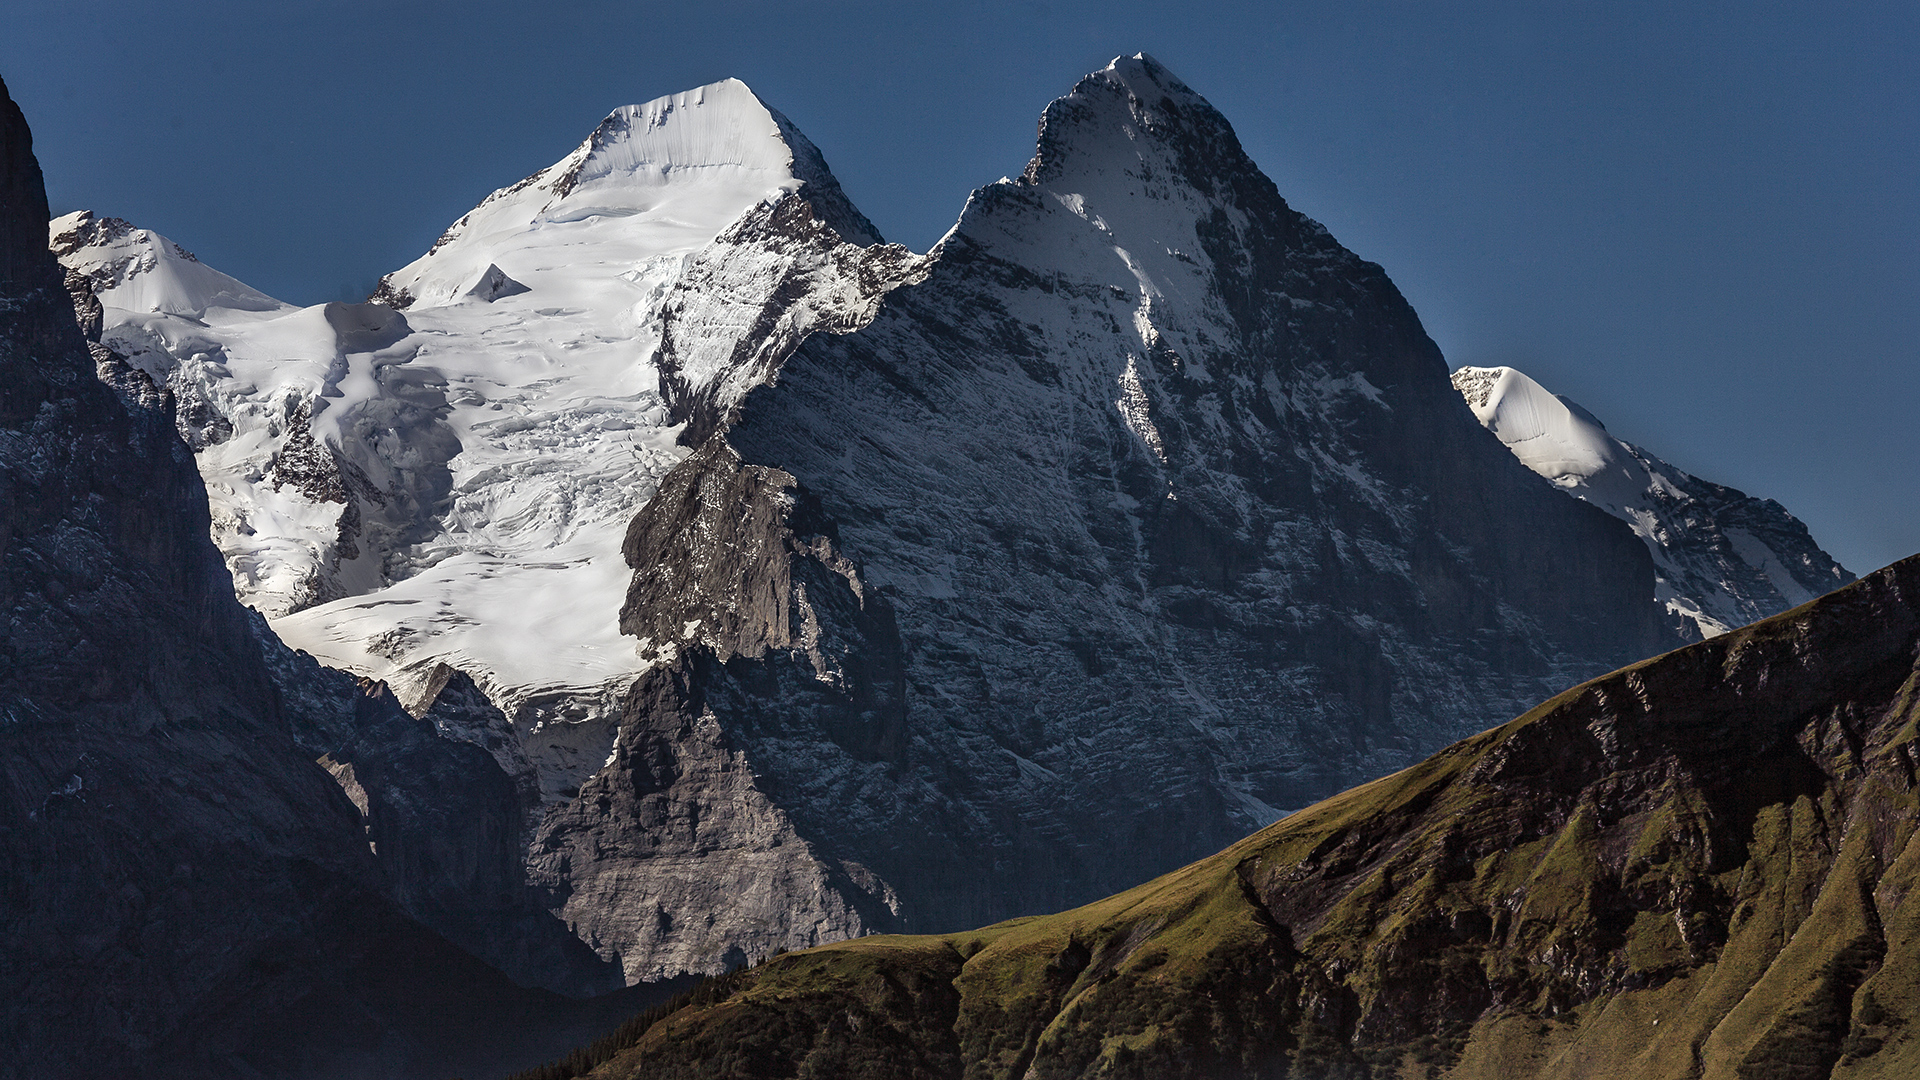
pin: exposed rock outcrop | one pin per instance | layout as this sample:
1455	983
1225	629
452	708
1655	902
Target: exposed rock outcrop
442	819
162	835
746	300
676	856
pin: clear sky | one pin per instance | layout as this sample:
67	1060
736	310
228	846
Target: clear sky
1701	220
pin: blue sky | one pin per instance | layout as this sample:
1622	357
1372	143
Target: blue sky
1700	220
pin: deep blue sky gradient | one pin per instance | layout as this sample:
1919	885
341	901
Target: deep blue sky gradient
1700	220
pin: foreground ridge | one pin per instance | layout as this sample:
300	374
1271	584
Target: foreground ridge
1701	865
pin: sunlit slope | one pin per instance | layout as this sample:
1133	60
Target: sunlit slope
1701	865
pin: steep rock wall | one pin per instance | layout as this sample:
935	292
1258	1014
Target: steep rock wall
184	892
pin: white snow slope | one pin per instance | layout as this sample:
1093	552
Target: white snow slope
450	483
1724	558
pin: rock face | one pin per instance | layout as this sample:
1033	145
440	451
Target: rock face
161	833
678	856
1724	557
183	890
1701	866
1142	513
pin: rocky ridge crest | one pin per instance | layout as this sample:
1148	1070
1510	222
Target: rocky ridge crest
1724	558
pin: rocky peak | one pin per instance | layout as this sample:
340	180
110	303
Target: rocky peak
1139	193
1137	117
1724	558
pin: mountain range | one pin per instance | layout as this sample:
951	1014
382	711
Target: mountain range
664	571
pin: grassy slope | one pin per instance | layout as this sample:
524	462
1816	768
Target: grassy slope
1700	865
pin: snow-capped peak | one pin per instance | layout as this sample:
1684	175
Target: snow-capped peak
1724	558
1132	177
1134	109
1567	447
449	488
141	271
670	174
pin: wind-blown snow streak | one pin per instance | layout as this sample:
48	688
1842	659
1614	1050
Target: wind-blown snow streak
1724	557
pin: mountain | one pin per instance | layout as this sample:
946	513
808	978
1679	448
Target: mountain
184	890
1699	866
1724	558
434	488
1142	515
